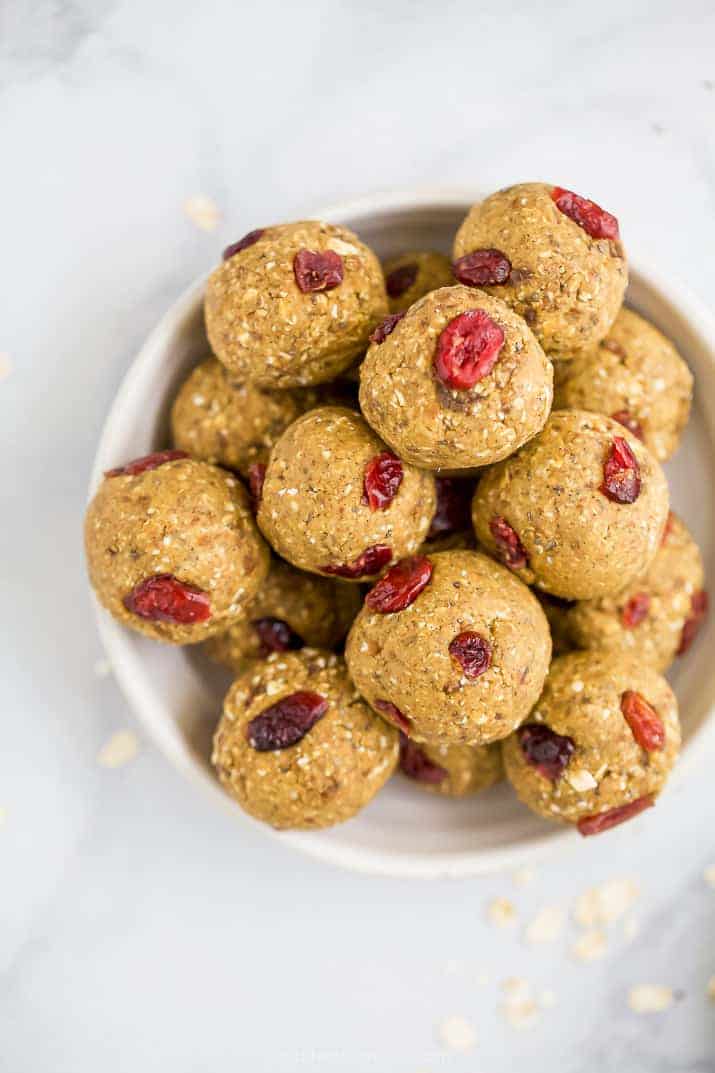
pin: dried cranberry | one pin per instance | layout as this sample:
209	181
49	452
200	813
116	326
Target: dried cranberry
317	270
400	586
509	547
417	765
383	477
400	280
286	722
635	610
482	268
545	750
380	334
602	821
141	465
243	243
621	473
645	723
623	417
163	598
452	515
370	562
698	611
594	220
472	652
256	477
276	635
393	714
467	349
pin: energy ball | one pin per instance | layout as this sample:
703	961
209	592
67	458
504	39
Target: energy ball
599	745
291	610
218	418
636	376
451	648
412	275
451	770
556	258
294	304
172	548
657	616
579	512
456	382
335	501
297	747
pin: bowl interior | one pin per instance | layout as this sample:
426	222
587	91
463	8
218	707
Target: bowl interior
177	694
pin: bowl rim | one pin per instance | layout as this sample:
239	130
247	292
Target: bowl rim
668	289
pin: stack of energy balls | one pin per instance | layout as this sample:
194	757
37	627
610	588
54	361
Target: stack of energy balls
498	485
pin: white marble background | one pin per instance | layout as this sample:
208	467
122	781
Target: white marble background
138	931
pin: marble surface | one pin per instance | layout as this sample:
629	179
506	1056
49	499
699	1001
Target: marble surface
137	929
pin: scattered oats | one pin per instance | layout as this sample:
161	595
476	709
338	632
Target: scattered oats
102	668
5	366
118	750
711	988
650	998
590	946
501	912
604	904
202	211
709	875
520	1007
546	926
456	1034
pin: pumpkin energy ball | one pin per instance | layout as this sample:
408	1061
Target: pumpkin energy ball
456	382
636	376
412	275
297	747
451	770
578	512
556	258
657	616
172	548
599	745
219	419
291	610
294	304
451	648
335	501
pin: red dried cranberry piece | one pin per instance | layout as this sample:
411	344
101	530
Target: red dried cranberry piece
380	334
467	349
417	765
594	220
602	821
256	477
482	268
623	417
472	652
393	714
400	586
163	598
276	635
645	723
454	499
509	547
141	465
698	611
370	562
383	477
545	750
635	610
317	270
621	473
243	243
286	722
400	280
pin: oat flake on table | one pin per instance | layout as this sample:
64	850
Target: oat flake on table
590	946
202	211
118	750
650	998
457	1034
501	912
607	902
5	366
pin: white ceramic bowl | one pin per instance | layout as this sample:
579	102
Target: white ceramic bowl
178	697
